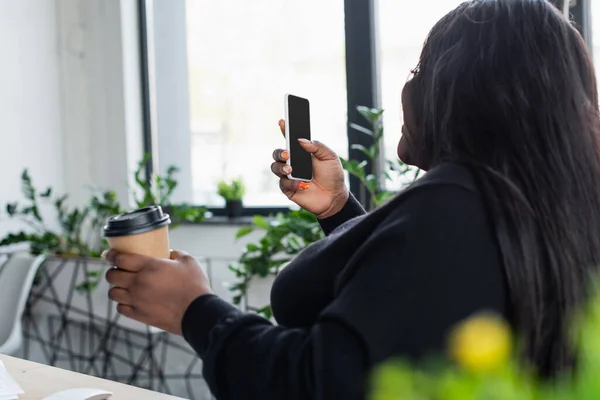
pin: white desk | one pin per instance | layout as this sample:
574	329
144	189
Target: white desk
39	381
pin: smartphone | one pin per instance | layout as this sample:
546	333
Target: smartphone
297	126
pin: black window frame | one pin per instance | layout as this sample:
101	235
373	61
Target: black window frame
362	81
362	77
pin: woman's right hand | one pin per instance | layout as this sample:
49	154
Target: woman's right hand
326	194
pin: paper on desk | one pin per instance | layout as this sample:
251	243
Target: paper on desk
9	388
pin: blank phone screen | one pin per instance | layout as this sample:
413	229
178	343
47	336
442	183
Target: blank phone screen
299	128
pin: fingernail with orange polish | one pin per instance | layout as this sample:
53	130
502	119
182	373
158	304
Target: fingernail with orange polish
285	155
303	185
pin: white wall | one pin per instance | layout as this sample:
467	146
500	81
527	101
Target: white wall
169	41
99	44
30	112
217	243
70	106
70	109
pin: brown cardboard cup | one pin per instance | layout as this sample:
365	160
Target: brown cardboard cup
144	231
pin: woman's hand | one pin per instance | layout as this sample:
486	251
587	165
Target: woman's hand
155	291
327	193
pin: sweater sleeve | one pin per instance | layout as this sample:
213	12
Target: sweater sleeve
397	298
351	210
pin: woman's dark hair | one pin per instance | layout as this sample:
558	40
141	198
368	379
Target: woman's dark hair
507	88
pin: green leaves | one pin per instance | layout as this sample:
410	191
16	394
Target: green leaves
232	190
186	213
354	167
92	280
15	238
284	236
11	209
26	186
261	222
68	240
373	115
512	380
393	381
370	183
158	190
371	152
266	312
383	197
244	231
44	243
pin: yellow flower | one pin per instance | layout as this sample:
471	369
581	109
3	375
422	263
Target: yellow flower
481	344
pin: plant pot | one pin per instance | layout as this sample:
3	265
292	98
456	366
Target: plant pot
233	208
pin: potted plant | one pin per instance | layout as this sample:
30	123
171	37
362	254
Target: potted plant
158	191
233	192
286	234
77	229
70	287
73	242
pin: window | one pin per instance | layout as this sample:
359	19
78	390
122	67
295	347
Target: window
242	57
217	72
403	26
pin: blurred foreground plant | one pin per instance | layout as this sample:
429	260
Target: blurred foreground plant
159	189
482	365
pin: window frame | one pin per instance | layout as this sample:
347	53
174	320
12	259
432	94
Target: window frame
362	84
148	129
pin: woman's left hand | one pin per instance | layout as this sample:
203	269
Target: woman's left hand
156	291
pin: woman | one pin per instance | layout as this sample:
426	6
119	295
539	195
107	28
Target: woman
502	111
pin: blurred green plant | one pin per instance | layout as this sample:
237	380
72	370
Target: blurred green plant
159	190
231	191
284	236
483	364
394	171
69	238
76	231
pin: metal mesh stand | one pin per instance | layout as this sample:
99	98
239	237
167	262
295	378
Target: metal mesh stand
72	331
